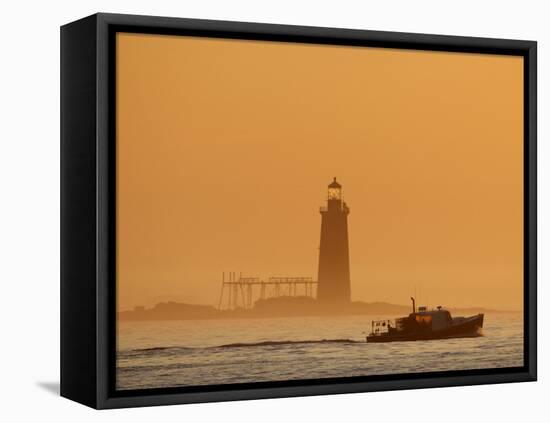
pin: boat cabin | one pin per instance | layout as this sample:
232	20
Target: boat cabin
419	320
433	319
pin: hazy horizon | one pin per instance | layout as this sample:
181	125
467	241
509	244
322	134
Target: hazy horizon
225	149
419	303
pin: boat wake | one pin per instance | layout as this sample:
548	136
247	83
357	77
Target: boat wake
273	343
250	344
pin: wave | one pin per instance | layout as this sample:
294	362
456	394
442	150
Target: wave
271	343
252	344
153	349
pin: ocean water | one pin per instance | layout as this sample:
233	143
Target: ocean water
159	354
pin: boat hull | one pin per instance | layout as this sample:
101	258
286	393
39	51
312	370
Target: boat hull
469	327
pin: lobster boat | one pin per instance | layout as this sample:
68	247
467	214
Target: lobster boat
423	324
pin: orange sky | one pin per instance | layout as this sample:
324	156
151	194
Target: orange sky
225	149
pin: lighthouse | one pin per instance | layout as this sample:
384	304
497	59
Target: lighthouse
334	285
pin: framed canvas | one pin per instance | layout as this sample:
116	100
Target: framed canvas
258	211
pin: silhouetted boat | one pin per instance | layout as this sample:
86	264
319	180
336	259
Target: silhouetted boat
425	325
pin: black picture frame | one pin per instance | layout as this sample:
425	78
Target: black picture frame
88	208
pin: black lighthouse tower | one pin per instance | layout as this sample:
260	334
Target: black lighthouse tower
334	286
